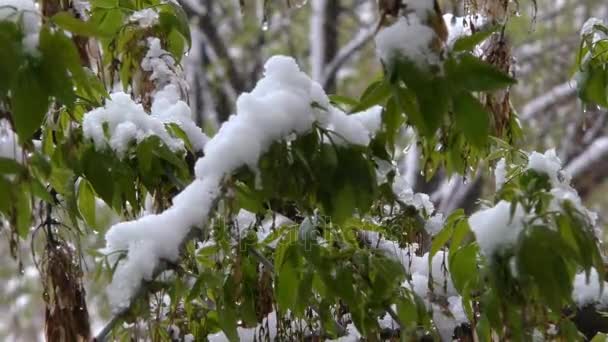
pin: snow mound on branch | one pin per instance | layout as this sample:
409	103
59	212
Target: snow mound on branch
547	163
589	28
160	64
495	228
285	101
145	18
409	38
26	12
550	165
589	292
125	121
168	108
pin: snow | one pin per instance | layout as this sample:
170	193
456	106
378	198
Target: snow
409	38
589	26
500	173
589	292
405	193
594	153
127	122
547	163
434	224
145	18
9	147
160	64
168	108
280	105
495	229
357	129
25	12
459	27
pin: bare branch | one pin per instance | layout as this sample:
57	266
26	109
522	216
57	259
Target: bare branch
554	96
345	53
587	160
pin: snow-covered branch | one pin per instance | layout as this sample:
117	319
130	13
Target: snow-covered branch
345	53
554	96
587	160
279	106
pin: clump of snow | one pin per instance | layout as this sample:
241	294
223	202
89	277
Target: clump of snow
9	148
500	173
168	108
407	38
550	164
589	26
405	194
126	121
280	105
495	229
153	238
357	129
434	224
27	13
547	163
161	64
589	292
145	18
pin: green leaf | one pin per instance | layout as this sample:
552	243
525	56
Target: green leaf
375	94
288	279
471	73
468	43
96	170
10	54
432	97
29	101
5	196
593	86
541	263
107	4
68	22
600	337
471	118
10	166
24	212
178	19
54	68
463	266
440	240
86	203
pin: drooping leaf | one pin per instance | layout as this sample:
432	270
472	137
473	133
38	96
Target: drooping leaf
471	118
471	73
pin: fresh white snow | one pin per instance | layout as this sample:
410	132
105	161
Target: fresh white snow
26	12
407	38
280	105
495	229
